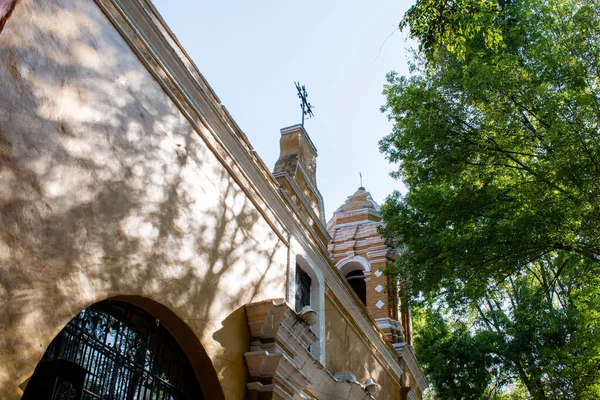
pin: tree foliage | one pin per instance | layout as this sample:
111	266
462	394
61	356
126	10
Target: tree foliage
459	362
496	136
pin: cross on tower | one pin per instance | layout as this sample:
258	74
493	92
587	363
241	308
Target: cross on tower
305	105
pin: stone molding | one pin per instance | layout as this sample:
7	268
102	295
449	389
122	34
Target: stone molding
393	329
378	253
279	364
313	187
408	355
310	212
353	258
340	246
319	236
354	213
412	395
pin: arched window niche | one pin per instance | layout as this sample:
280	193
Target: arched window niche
308	289
356	270
356	280
114	350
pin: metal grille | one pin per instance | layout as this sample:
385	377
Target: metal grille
128	355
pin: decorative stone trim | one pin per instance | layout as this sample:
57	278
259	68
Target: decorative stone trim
399	346
345	376
347	214
258	389
279	364
408	355
351	257
315	190
317	227
380	253
412	395
394	332
407	393
379	261
342	244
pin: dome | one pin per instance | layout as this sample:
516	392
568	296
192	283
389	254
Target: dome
361	199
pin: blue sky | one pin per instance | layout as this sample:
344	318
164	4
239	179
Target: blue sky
251	52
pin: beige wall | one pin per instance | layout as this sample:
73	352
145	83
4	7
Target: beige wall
107	190
348	351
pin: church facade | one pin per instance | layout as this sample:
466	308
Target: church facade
146	251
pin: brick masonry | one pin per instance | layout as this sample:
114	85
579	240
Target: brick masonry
357	244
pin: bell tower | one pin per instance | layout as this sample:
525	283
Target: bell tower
361	255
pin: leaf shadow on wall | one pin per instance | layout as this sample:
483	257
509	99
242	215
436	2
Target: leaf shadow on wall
108	190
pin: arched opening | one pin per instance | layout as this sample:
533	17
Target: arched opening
355	270
356	280
114	350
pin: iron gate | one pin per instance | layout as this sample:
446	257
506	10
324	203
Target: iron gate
127	355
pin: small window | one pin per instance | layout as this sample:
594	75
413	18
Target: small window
303	283
356	280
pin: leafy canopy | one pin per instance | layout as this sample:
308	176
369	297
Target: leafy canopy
496	136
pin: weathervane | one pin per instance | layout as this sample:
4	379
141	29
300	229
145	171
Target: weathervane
305	105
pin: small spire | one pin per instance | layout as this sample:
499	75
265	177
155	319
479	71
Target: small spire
361	186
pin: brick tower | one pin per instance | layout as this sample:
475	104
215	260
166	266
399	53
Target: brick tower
361	255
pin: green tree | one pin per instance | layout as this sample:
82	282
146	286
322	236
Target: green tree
459	362
496	136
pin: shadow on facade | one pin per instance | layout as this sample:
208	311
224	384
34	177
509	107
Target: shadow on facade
109	191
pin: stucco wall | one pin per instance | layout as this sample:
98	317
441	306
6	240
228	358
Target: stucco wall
347	351
107	190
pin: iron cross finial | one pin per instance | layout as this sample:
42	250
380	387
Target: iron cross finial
305	105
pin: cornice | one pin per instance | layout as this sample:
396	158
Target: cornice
317	193
298	192
408	355
296	128
362	245
348	214
307	232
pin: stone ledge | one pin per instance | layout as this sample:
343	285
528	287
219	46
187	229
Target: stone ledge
279	363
